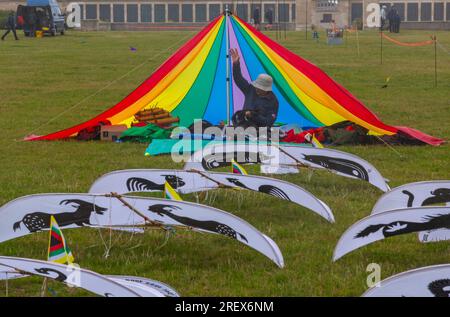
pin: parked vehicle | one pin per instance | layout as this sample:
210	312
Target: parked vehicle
42	15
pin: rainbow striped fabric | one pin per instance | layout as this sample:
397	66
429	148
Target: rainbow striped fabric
311	138
170	193
236	168
191	84
58	251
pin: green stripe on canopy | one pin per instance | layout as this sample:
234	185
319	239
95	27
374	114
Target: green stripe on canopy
278	78
195	102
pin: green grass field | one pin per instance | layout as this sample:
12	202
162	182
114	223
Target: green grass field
41	79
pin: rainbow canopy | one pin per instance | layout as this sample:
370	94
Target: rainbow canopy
192	84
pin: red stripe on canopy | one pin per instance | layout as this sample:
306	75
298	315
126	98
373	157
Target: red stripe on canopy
336	91
321	79
140	91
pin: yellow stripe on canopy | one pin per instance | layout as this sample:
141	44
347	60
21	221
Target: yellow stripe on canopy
318	102
324	114
127	115
175	93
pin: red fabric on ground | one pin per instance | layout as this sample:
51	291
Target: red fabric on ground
428	139
144	88
291	137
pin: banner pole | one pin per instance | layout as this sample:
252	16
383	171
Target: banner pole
435	61
306	20
227	45
381	46
357	40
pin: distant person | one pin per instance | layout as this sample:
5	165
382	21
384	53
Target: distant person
391	19
383	17
31	21
256	18
20	21
269	19
10	26
260	107
333	27
397	21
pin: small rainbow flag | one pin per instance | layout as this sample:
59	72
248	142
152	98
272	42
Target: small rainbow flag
170	193
58	251
236	168
311	138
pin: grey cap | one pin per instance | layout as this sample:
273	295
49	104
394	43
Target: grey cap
263	82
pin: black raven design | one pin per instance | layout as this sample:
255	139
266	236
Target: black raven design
61	277
340	165
401	227
138	184
236	182
438	196
37	221
440	288
208	225
410	197
274	191
266	189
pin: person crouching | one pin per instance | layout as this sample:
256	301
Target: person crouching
260	107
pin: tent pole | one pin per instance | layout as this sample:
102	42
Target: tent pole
435	61
227	44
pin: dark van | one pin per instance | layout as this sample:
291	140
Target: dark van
42	15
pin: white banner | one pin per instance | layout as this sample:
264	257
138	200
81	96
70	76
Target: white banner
430	281
30	214
153	180
391	223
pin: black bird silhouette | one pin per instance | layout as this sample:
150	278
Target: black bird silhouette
266	189
410	197
61	277
208	225
236	182
341	165
137	184
274	191
440	288
438	196
402	227
39	220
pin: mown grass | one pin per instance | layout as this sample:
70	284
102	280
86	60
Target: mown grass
41	78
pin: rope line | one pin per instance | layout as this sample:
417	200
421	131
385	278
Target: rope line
410	44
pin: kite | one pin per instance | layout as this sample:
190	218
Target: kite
414	195
170	193
341	163
58	251
196	82
143	286
236	168
417	195
32	213
429	281
188	181
71	275
391	223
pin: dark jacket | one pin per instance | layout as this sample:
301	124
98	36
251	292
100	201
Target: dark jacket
264	108
269	16
11	22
